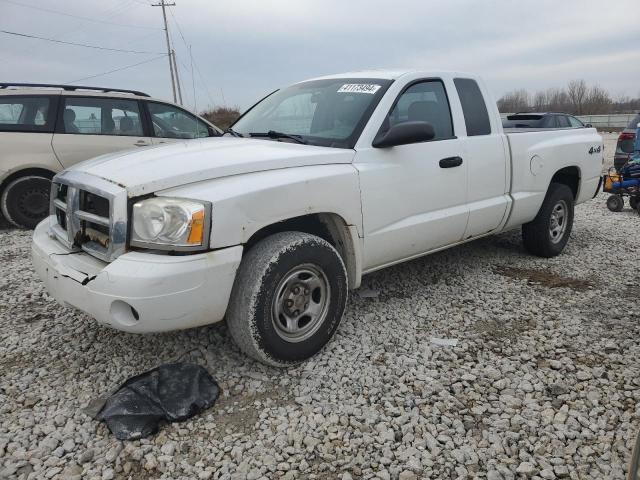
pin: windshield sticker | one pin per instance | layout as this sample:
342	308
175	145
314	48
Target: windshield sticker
370	88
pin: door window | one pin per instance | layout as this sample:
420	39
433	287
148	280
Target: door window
424	101
173	122
101	116
476	117
21	113
550	122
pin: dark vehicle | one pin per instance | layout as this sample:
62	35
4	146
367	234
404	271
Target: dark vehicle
624	148
542	120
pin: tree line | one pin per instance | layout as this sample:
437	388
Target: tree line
577	98
221	117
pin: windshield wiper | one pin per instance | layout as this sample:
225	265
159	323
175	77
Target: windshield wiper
274	134
232	132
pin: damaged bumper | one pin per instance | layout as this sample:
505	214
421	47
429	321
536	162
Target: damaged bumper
138	292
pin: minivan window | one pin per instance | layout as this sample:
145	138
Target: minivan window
25	113
476	116
101	116
426	102
563	121
173	122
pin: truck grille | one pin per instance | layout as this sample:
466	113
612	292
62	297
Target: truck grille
89	213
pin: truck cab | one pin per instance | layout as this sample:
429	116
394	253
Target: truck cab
316	185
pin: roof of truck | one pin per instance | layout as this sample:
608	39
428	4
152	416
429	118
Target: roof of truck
392	74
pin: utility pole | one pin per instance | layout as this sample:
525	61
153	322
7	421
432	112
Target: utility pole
175	69
163	4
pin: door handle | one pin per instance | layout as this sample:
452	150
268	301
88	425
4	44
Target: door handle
141	143
450	162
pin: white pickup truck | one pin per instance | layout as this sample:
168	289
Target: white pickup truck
315	185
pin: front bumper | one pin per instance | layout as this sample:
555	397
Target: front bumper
138	292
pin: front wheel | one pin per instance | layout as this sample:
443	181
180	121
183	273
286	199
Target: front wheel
25	200
633	202
548	233
288	298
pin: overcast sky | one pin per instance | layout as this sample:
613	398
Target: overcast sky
245	49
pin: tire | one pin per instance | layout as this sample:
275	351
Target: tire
25	200
633	202
264	298
548	233
615	203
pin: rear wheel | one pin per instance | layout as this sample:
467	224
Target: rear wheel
548	233
288	298
615	203
25	200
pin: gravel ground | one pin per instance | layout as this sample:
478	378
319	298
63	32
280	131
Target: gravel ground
543	382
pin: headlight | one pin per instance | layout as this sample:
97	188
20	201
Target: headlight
170	223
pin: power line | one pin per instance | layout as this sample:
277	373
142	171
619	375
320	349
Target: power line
202	81
56	12
117	69
76	44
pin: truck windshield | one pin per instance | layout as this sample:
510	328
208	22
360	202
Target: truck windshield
330	112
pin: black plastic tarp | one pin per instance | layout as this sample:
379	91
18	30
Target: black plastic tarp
169	393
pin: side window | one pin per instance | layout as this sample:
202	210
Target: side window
476	116
173	122
21	113
101	116
563	121
550	121
427	102
575	123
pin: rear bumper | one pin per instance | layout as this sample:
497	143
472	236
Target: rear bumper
138	292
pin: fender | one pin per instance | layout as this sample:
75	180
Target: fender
246	203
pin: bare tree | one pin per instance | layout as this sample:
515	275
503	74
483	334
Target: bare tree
540	101
558	100
516	101
597	101
577	98
577	91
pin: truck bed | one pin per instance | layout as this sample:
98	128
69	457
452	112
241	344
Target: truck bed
539	154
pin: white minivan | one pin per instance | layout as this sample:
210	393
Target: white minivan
47	128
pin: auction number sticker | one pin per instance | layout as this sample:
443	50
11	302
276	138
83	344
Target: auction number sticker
370	88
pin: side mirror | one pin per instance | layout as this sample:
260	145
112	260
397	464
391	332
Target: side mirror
405	133
588	125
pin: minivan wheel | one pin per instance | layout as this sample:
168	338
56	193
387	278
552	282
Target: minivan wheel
25	200
548	233
288	298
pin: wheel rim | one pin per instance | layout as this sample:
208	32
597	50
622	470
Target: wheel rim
34	203
558	223
301	302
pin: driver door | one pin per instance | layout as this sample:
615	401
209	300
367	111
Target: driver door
414	197
171	124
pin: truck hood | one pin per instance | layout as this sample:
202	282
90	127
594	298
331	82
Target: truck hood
157	168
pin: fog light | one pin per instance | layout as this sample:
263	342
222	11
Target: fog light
124	314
